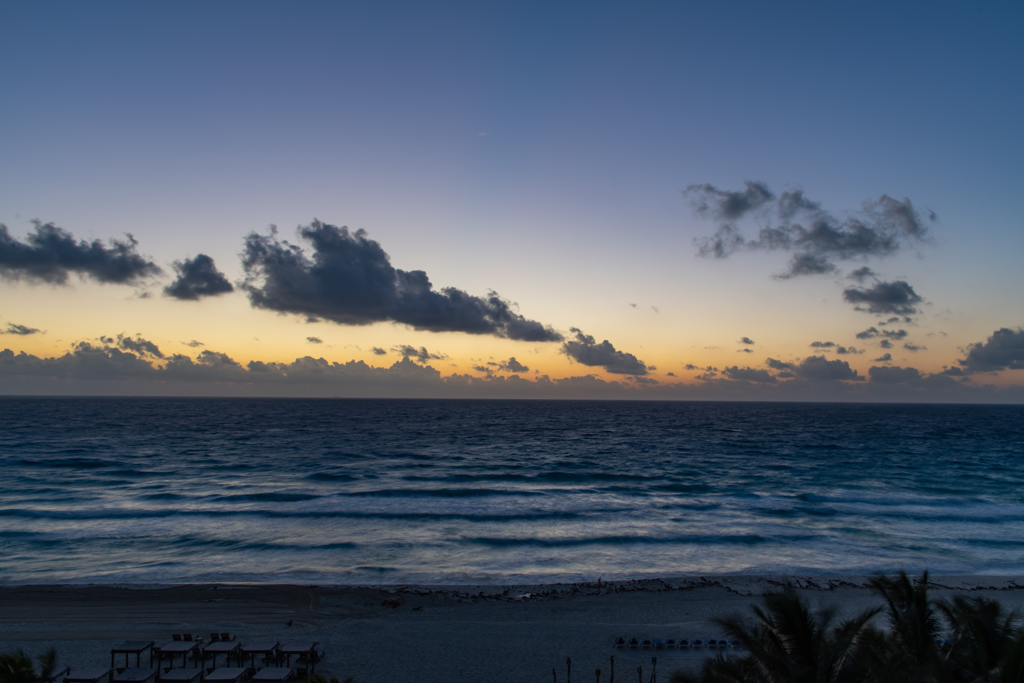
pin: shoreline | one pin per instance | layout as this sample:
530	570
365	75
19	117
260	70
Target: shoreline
442	632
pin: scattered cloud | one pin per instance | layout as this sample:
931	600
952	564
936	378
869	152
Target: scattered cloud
377	351
21	330
197	277
670	374
791	222
585	350
822	344
349	279
873	332
314	340
914	347
193	344
884	297
137	345
885	344
512	365
1003	350
780	365
51	254
844	350
420	355
744	351
884	358
746	340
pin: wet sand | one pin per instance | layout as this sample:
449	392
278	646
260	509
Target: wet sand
431	633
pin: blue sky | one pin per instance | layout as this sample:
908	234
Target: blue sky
537	149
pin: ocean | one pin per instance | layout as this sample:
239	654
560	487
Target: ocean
146	491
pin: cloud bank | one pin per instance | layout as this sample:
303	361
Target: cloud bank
348	279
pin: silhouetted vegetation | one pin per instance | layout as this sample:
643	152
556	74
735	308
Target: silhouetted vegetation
17	667
962	640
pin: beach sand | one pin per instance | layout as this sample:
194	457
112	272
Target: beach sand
432	633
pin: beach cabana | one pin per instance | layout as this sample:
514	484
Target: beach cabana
226	675
90	674
266	647
136	676
302	649
273	674
222	648
182	676
132	647
174	649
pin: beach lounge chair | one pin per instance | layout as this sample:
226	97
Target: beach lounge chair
176	636
620	642
658	645
633	644
723	644
670	643
696	644
227	636
214	637
187	636
645	644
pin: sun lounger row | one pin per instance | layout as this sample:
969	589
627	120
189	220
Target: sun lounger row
674	644
181	675
214	637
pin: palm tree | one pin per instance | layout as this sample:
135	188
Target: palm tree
914	628
17	667
790	644
983	636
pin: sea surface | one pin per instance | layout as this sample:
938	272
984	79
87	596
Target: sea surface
429	491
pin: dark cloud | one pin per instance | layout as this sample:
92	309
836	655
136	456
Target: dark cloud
843	350
50	254
806	264
749	375
822	344
138	345
314	340
1003	350
914	347
512	365
884	297
893	375
377	351
420	355
348	279
821	369
670	374
861	274
884	358
722	205
652	368
197	277
483	368
193	344
744	351
792	222
690	366
22	330
873	332
885	344
780	365
746	340
954	372
585	350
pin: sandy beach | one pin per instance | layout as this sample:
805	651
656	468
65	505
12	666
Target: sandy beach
430	633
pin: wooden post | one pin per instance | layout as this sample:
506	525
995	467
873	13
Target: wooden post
613	670
568	670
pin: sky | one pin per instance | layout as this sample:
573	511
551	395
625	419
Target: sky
736	200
